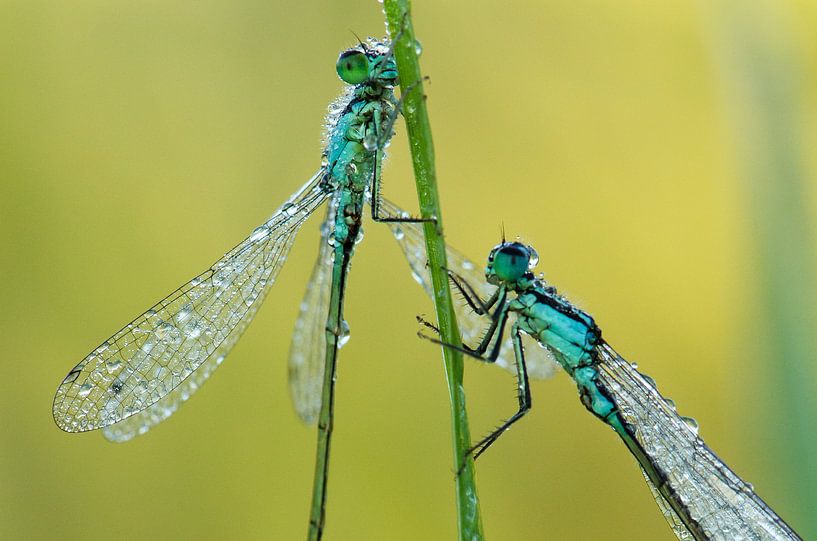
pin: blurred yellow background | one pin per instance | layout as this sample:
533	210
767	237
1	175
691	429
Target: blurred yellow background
141	140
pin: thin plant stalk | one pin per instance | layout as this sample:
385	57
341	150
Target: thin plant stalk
398	18
761	69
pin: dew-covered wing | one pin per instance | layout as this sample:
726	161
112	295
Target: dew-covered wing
725	506
140	375
472	326
679	529
307	351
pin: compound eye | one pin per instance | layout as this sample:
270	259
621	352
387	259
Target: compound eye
353	67
511	262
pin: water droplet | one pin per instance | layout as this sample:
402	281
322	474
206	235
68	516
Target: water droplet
259	233
359	237
650	381
534	258
117	386
467	265
113	365
634	366
183	314
670	403
324	160
195	282
85	389
219	360
168	334
289	209
398	232
221	279
418	47
410	108
193	330
326	230
352	168
345	334
691	423
370	142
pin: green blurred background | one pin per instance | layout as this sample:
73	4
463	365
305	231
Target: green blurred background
659	155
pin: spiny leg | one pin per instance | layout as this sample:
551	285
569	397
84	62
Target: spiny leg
471	297
523	395
384	132
494	331
375	204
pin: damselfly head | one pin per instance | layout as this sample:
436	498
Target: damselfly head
353	66
370	61
509	262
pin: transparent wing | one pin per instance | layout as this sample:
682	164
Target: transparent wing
675	522
307	350
141	374
720	501
472	326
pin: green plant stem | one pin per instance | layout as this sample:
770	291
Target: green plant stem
398	17
762	71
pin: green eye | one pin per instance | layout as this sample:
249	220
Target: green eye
353	67
511	261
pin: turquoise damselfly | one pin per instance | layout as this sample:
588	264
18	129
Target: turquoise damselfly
698	494
143	373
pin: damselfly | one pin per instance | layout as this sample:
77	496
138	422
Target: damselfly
144	372
700	496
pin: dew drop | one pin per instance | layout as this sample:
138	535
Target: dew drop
289	209
534	258
418	47
398	232
168	334
467	265
193	330
370	142
85	389
183	314
352	168
117	386
691	423
634	366
326	229
114	365
259	233
345	334
324	161
670	403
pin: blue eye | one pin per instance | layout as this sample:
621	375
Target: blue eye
511	261
353	67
